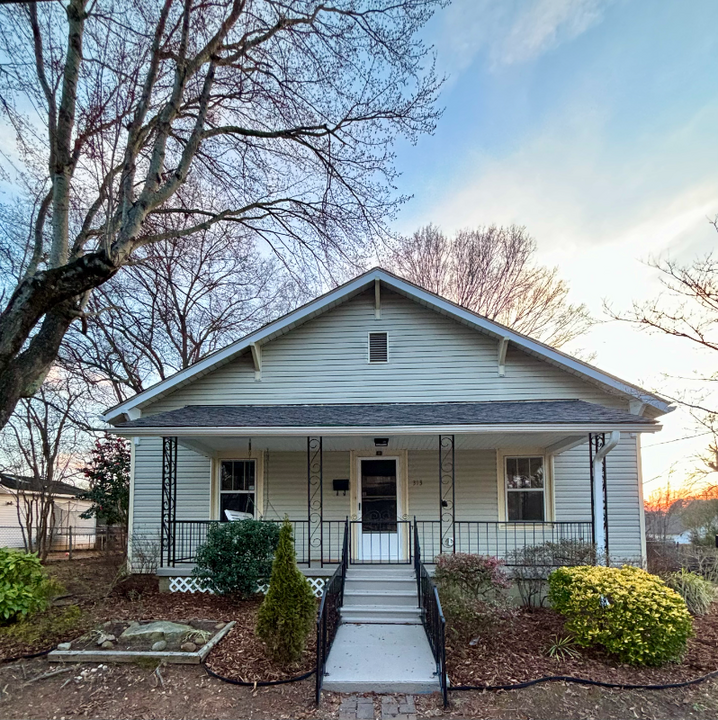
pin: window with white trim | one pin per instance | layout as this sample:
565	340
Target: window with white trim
525	485
237	487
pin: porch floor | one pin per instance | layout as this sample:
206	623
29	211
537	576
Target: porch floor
382	659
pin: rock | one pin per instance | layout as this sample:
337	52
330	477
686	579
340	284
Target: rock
103	638
159	645
107	645
64	646
155	631
220	625
188	647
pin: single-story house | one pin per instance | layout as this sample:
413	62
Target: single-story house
66	518
388	407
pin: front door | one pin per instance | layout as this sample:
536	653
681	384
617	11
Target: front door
379	534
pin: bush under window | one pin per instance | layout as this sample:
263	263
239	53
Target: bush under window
626	611
472	589
236	557
24	585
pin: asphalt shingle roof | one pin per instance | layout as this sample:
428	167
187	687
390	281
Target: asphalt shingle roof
568	412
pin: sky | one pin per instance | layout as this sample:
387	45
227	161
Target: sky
594	123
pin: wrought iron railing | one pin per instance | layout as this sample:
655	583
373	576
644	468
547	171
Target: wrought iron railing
329	617
386	542
497	538
432	616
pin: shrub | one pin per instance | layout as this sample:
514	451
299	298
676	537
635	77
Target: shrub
237	557
694	589
532	565
626	611
472	589
286	616
24	585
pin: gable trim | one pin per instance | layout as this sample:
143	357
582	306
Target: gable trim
350	289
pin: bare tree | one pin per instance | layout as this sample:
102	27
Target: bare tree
179	300
39	447
285	109
491	270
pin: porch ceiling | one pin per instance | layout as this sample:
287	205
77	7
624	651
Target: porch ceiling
215	446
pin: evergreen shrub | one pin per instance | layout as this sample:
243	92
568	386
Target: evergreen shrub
236	557
287	615
24	585
626	611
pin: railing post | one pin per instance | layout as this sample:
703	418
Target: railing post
169	499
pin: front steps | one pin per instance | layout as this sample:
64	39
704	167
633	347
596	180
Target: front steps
381	645
381	594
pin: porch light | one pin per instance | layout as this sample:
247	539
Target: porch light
381	442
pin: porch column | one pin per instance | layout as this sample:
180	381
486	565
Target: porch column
598	449
315	498
169	500
447	494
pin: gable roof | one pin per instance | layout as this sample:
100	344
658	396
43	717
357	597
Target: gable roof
341	294
28	484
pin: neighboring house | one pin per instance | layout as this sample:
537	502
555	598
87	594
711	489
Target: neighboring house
667	526
384	404
67	510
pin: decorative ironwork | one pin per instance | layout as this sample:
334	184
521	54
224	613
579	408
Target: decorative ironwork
169	500
315	497
447	493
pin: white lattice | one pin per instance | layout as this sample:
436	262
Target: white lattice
192	585
187	584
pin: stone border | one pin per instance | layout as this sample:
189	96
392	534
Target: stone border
172	657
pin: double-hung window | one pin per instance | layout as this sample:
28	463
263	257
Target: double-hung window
525	486
237	487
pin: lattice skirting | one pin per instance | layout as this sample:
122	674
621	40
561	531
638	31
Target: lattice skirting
190	584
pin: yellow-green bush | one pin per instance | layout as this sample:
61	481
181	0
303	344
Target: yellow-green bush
626	611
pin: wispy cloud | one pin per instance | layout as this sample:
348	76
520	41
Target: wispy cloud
512	32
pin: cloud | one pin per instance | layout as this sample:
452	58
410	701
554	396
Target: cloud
511	32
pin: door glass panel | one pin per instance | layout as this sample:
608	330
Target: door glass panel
378	489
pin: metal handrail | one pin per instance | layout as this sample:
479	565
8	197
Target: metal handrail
432	616
328	617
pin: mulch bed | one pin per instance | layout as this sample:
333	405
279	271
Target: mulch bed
515	650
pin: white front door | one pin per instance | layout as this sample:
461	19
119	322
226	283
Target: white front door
379	532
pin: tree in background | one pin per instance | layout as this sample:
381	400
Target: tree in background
492	271
283	113
687	310
39	446
286	616
108	473
180	300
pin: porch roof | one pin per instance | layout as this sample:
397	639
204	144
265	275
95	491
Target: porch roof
575	415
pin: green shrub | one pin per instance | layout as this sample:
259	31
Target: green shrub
694	589
626	611
286	616
532	564
24	585
237	557
472	589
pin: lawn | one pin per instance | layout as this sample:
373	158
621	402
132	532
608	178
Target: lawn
515	650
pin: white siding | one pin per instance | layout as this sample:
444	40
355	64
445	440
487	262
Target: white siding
431	358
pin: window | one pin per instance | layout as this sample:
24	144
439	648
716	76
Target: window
378	347
524	482
236	487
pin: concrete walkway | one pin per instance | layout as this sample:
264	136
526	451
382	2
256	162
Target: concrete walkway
359	707
381	659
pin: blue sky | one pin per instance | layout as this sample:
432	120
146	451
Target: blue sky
594	123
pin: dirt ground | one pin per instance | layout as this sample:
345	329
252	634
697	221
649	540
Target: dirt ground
38	689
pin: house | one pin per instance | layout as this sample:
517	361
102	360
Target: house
413	419
66	514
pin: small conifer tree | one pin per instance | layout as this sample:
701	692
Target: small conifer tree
286	616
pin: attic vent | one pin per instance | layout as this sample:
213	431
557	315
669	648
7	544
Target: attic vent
378	347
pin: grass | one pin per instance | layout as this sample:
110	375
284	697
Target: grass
43	627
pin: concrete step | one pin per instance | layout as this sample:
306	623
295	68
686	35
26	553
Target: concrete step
380	596
381	614
381	584
381	659
388	572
